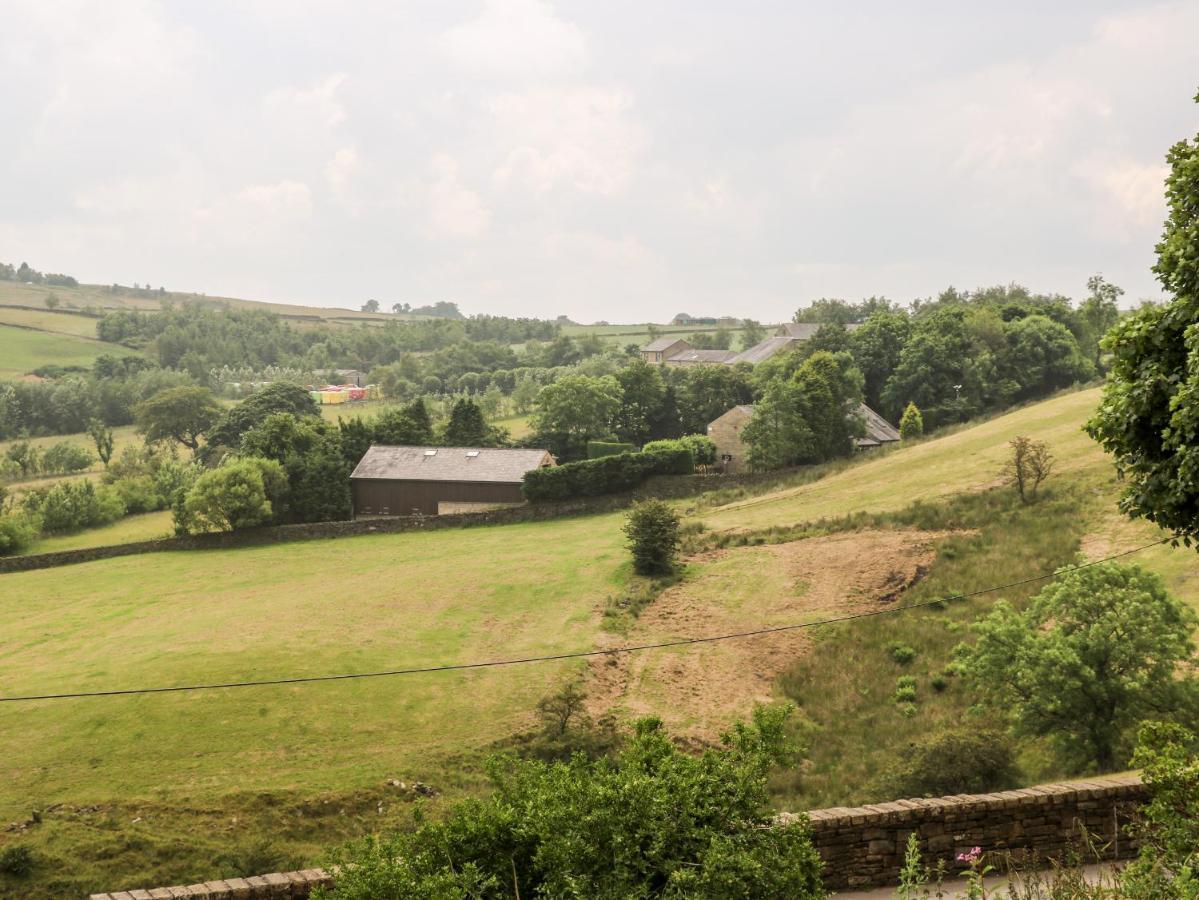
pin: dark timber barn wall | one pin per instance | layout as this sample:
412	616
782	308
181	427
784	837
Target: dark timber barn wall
390	497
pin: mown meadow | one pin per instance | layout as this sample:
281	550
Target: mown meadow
190	785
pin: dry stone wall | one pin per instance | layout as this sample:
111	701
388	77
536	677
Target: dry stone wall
864	846
672	486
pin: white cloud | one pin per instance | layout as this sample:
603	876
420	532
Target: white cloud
1131	191
455	211
256	214
316	106
341	168
520	37
580	137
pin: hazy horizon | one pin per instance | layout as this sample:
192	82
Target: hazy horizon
620	161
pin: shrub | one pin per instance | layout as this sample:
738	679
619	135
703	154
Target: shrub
911	423
606	475
238	494
65	457
651	822
74	505
596	449
905	689
901	653
938	683
16	861
702	447
139	494
17	532
652	528
957	760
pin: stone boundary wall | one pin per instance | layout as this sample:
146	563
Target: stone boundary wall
275	885
864	846
664	486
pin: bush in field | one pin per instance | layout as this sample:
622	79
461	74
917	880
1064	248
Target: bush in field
1030	464
240	493
652	528
901	653
139	494
25	456
17	861
17	532
956	760
650	822
64	457
1096	652
73	505
911	423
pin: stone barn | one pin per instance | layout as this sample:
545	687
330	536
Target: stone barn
431	481
731	450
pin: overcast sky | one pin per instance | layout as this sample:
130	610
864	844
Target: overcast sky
621	160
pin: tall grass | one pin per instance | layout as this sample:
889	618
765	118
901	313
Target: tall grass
845	686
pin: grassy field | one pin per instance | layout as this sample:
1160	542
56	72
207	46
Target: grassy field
204	772
968	460
75	324
23	350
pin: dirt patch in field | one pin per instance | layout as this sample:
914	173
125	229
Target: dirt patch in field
698	690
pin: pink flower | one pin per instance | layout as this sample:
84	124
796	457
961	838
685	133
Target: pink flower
971	857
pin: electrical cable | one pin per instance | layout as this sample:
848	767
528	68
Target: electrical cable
583	654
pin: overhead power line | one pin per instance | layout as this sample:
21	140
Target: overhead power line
582	654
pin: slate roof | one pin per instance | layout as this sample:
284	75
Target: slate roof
489	464
806	330
704	356
766	349
662	343
878	429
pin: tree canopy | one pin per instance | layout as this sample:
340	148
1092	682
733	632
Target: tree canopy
1148	419
1096	652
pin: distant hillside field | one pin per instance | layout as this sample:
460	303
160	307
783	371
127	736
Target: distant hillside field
282	760
23	350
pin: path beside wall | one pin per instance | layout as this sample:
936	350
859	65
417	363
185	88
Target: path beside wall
863	846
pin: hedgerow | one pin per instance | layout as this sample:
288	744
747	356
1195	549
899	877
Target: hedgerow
606	475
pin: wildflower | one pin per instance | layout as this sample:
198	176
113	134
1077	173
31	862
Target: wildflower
972	856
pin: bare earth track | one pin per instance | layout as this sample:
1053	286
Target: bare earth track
699	691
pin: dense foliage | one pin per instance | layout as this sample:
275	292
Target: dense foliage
240	493
1149	417
650	822
652	528
605	475
1097	651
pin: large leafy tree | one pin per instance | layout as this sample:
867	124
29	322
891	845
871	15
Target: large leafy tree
651	822
1042	356
310	452
935	360
876	347
181	414
240	493
466	427
705	393
1149	417
579	406
280	397
643	393
407	426
1095	653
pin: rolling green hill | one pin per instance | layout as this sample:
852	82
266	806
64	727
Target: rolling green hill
23	350
280	759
